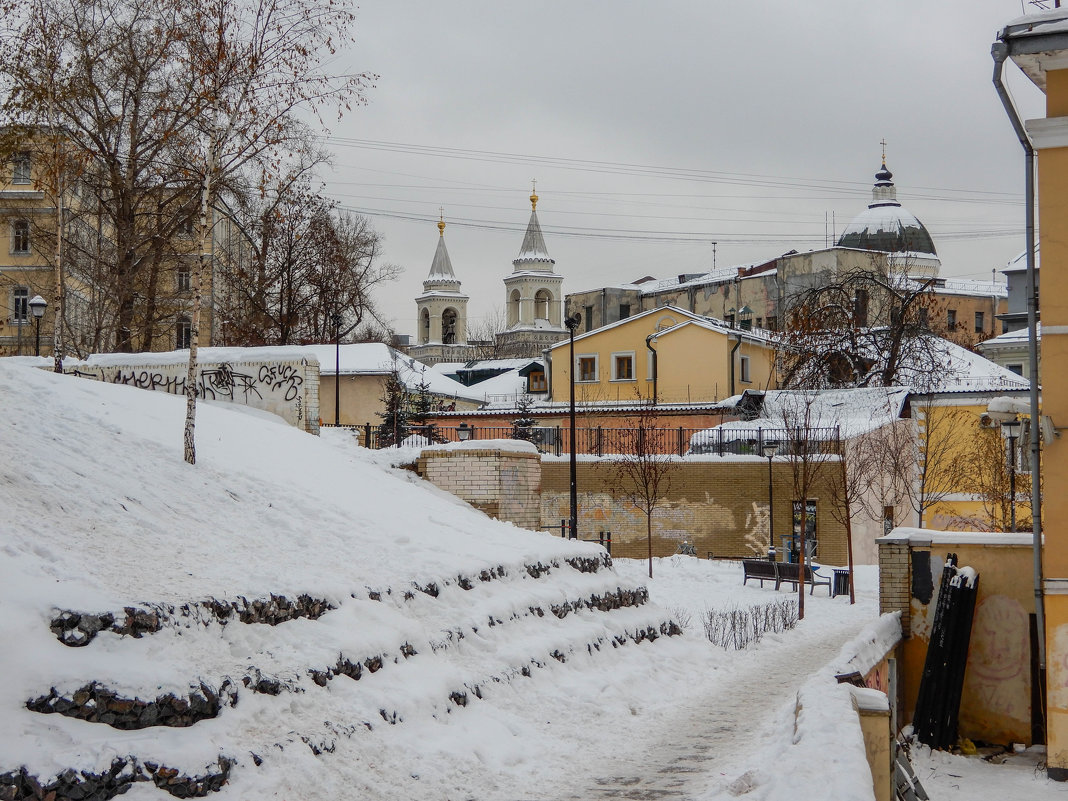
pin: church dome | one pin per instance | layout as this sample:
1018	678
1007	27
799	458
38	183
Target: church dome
886	226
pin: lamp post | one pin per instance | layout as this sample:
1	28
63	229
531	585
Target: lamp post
335	318
1012	432
464	432
572	322
770	449
37	307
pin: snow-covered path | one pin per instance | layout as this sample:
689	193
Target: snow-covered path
715	735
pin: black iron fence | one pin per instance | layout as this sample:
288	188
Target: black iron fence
604	441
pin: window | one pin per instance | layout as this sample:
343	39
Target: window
20	236
184	278
860	308
448	327
542	301
587	368
20	169
888	520
979	328
20	299
1015	368
773	323
923	318
951	318
183	333
536	382
810	529
589	318
623	366
185	227
745	370
624	311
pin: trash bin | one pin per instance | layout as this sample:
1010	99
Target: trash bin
840	583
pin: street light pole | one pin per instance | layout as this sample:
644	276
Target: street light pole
336	320
572	323
1012	431
37	306
770	449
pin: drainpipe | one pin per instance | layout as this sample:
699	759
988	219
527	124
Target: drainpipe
649	344
1000	51
737	344
604	306
547	354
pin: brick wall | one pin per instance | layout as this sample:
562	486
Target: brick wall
720	506
894	579
504	484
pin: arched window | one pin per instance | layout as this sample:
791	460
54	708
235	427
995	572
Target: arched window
513	308
448	327
424	329
542	301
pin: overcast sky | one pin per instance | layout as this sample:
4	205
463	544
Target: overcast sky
654	130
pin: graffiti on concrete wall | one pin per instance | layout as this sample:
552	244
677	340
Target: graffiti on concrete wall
281	388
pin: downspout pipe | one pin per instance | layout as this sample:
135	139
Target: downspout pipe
649	344
1000	51
737	344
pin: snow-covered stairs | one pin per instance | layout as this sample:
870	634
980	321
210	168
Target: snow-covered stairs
306	671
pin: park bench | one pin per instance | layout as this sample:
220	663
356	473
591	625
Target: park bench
790	572
760	569
779	572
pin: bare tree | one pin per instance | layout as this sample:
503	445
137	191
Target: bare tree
251	64
482	333
992	478
98	77
810	464
644	467
941	467
868	326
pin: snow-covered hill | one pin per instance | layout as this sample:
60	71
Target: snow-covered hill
284	619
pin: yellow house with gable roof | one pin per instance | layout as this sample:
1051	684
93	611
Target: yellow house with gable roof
666	355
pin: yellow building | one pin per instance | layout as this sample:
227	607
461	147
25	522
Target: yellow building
1038	44
82	293
668	355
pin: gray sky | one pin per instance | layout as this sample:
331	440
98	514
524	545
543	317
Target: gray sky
655	129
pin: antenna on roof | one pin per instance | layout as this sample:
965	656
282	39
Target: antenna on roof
713	255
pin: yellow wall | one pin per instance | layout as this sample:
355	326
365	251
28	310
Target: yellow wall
961	454
693	362
996	700
1053	243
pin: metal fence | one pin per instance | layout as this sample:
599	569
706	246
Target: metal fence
602	441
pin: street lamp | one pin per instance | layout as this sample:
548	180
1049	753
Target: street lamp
37	306
1011	428
572	323
335	318
464	432
770	449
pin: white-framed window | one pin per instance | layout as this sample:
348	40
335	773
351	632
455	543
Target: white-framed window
183	331
20	168
586	367
20	236
184	277
20	304
623	366
187	226
746	377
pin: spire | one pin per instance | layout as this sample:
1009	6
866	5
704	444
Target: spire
533	247
441	267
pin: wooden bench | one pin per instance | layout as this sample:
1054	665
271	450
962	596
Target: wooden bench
762	570
790	572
